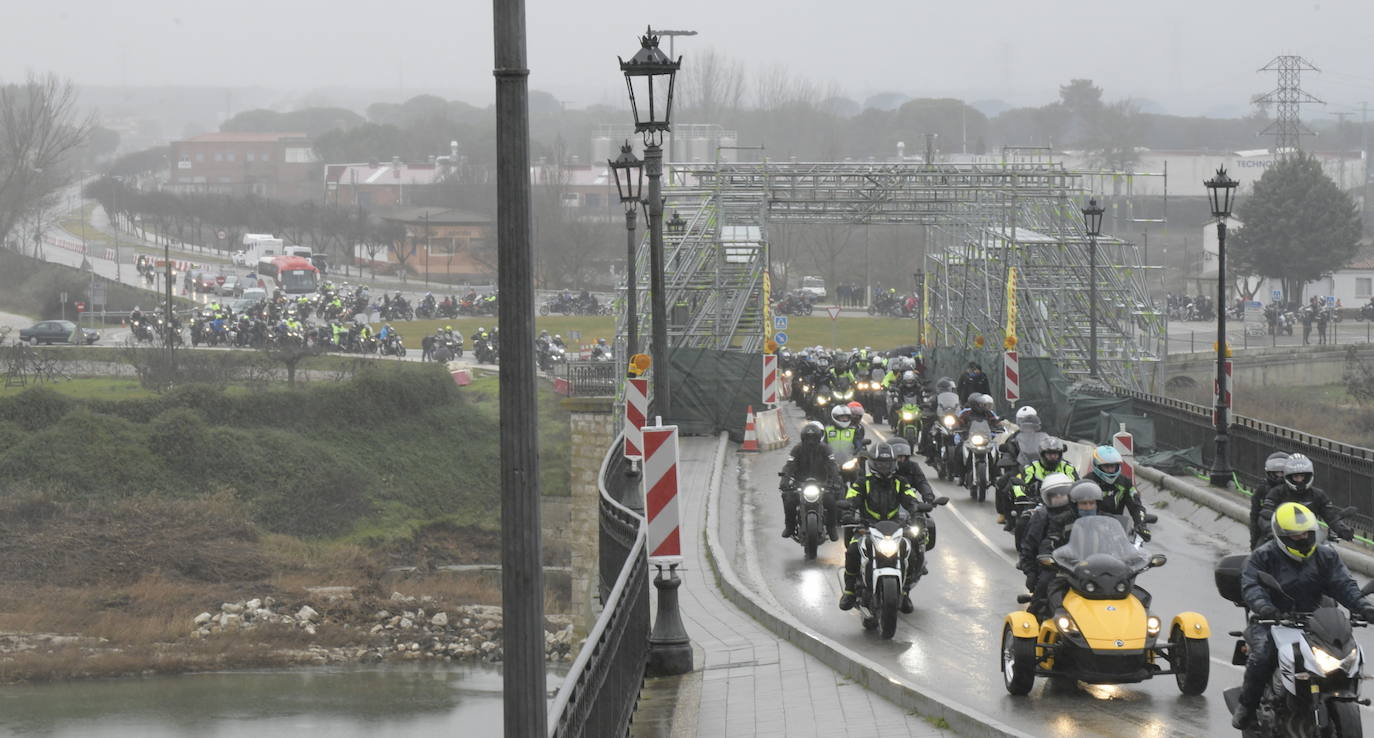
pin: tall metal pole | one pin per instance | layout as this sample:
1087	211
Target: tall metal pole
167	274
1221	465
631	283
1092	306
522	575
653	168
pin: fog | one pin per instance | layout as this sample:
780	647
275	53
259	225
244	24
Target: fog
1185	57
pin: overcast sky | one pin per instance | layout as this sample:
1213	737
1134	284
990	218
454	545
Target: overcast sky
1188	55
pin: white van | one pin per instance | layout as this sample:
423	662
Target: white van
814	286
256	246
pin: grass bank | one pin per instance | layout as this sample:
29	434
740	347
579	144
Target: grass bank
30	286
1325	410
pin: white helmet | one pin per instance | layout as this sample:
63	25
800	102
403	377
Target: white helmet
1025	412
840	415
1056	486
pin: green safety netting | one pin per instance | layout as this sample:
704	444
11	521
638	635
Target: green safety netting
712	390
1181	462
1141	428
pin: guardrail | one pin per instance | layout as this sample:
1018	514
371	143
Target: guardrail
599	694
586	379
1343	471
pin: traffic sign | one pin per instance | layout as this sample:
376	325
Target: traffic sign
780	338
834	311
1276	295
1331	301
779	322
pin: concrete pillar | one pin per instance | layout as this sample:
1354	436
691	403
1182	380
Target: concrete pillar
593	427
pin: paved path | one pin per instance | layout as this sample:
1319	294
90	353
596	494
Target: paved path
751	683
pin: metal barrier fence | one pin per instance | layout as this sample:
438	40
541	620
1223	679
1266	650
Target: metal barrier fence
586	379
599	694
1343	471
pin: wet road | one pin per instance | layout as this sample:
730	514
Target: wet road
952	639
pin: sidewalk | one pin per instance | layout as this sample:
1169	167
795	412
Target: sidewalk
747	682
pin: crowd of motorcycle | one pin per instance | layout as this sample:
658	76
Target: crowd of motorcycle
887	303
1081	543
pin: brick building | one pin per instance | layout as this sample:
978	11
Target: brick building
276	165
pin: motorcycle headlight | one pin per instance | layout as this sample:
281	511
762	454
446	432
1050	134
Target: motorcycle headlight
915	530
1152	625
978	439
908	416
805	388
886	547
822	399
849	465
811	493
949	421
849	395
787	374
1066	624
1328	663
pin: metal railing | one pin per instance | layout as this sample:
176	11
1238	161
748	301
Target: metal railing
600	692
586	378
1343	471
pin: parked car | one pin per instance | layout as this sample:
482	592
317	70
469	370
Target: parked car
232	286
56	331
202	280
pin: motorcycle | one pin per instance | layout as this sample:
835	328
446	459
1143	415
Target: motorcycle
484	351
906	421
885	553
1103	632
942	430
393	346
1316	688
977	449
811	526
1367	311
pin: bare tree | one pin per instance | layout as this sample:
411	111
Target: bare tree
713	86
39	138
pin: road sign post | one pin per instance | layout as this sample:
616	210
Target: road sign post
834	311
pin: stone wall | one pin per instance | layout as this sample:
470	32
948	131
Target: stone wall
594	426
1283	366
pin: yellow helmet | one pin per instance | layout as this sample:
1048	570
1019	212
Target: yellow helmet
1295	528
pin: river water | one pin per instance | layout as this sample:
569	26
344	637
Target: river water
375	701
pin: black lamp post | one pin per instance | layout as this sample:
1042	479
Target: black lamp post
677	225
1092	222
629	183
1221	189
649	78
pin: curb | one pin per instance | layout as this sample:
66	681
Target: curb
1354	557
872	676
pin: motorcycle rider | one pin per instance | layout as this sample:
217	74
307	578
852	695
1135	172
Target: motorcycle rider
1054	495
1119	495
1306	572
1023	447
1297	487
980	408
1084	498
810	459
601	350
910	472
1273	477
844	436
928	417
881	495
973	381
1032	477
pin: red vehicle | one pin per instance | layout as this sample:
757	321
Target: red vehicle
291	274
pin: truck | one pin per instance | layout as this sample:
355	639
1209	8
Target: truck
256	246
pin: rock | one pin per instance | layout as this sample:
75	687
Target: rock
232	608
405	623
420	614
268	602
203	618
228	620
382	615
307	614
377	628
395	621
408	614
310	628
398	597
263	614
332	593
439	619
414	646
252	604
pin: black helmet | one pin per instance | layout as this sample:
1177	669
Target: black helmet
812	433
883	461
901	448
1052	445
944	384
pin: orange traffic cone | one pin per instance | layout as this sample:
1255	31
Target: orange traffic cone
751	441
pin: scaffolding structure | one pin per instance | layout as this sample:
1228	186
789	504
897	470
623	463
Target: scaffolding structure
982	219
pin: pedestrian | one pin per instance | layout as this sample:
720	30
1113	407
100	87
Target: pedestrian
1309	315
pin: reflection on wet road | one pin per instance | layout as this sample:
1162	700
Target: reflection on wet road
951	641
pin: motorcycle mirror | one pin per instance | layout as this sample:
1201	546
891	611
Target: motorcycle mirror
1158	560
942	500
868	441
1269	581
1023	598
1150	518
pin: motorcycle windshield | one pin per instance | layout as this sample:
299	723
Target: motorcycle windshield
948	402
1099	534
980	428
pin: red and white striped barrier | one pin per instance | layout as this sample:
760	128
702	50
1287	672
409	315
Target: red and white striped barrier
636	406
1011	370
770	379
751	439
1124	443
660	494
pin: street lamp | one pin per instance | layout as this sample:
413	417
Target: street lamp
649	78
1092	222
677	225
628	171
1221	190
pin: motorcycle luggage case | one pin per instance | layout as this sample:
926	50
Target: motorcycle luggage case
1227	574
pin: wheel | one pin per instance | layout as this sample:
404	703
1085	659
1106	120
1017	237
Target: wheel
401	351
812	536
1018	663
982	482
1190	658
1345	719
889	598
